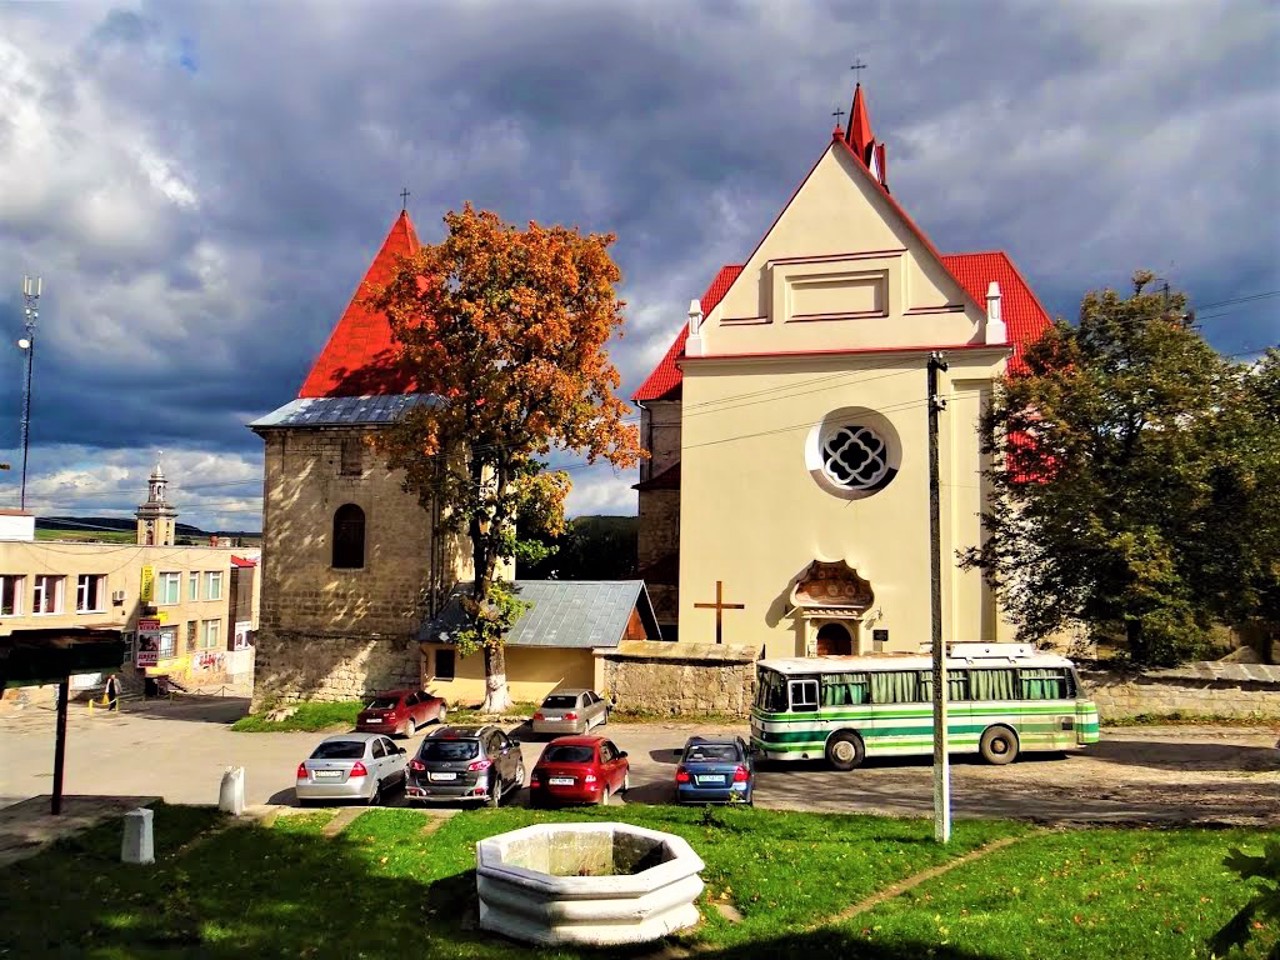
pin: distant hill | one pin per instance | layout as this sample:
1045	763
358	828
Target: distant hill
122	529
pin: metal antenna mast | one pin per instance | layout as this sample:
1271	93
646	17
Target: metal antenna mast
31	287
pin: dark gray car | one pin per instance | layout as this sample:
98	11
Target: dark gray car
465	763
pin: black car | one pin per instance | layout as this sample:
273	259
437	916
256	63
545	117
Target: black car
465	763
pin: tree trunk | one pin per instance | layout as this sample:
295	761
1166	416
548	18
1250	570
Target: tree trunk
497	699
1137	641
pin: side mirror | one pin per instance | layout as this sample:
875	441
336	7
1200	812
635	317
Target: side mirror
402	751
622	755
515	743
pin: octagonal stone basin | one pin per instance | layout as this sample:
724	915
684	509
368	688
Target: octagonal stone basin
588	883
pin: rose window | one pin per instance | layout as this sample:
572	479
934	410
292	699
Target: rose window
856	458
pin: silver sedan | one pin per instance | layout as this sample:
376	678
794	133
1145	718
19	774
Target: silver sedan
351	766
571	711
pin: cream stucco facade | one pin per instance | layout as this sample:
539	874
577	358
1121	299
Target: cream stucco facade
803	425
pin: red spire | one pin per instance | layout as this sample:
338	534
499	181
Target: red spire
357	360
859	135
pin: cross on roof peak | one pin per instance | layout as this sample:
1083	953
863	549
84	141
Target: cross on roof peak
404	199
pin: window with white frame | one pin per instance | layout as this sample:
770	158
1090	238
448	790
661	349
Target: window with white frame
91	593
193	586
11	589
47	596
213	585
168	642
211	635
169	588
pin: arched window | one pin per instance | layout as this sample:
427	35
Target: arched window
348	537
834	641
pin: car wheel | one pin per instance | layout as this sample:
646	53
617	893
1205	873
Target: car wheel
626	781
375	798
442	716
410	728
519	775
606	797
494	799
999	745
845	750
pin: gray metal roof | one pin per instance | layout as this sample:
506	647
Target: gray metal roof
340	411
575	614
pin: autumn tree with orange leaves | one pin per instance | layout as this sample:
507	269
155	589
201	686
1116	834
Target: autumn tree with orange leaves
508	329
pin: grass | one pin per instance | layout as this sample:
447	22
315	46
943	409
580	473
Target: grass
384	888
308	717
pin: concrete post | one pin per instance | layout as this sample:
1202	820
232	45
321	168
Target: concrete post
138	845
231	793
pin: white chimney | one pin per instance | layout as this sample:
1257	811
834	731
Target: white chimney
693	345
996	332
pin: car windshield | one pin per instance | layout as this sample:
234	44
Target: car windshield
339	750
712	753
382	703
566	753
559	702
449	749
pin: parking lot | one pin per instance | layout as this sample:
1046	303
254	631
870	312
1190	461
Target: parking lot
179	751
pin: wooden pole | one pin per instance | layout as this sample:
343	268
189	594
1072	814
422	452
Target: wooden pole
60	744
941	759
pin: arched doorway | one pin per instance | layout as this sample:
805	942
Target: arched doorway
834	641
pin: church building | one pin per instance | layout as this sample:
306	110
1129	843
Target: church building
786	501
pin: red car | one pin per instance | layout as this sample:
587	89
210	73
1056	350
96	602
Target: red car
400	711
579	770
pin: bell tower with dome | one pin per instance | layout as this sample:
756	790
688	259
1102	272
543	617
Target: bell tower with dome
157	518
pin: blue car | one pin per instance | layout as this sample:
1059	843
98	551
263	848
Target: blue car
715	770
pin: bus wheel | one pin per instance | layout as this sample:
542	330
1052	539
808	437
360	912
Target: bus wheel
845	750
999	745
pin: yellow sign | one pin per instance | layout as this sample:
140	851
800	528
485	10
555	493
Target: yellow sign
162	616
148	587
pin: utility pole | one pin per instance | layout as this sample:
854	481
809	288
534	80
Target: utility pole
941	760
30	314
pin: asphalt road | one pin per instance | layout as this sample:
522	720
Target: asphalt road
1142	774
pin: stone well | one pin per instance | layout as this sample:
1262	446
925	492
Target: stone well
588	883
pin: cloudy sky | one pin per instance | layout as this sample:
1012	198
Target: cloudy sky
201	185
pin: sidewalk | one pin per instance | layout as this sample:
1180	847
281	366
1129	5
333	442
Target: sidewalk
28	827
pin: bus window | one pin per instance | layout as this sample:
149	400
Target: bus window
1052	683
957	685
804	696
897	686
993	684
772	695
843	689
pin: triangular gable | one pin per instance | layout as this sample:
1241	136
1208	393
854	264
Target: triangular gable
911	294
359	357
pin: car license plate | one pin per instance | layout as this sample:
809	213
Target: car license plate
716	778
438	777
327	774
561	781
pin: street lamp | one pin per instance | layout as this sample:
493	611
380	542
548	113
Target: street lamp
31	287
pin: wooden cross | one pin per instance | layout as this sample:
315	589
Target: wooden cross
404	199
719	607
858	66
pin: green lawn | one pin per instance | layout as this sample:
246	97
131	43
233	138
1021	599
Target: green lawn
384	888
309	716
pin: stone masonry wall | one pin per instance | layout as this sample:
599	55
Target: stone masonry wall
294	666
1200	689
676	679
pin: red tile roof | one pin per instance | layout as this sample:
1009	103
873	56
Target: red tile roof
668	479
1024	316
358	360
666	376
242	561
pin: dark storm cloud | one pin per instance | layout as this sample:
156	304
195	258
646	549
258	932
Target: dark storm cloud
202	185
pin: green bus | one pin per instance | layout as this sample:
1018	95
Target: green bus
1004	699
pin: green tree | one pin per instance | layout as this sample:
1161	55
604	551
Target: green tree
1134	480
508	329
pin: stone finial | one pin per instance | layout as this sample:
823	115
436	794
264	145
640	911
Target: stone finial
693	345
996	332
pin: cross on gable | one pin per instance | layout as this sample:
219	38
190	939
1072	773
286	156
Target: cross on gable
858	67
838	114
404	199
719	607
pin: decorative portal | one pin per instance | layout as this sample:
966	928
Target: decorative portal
834	640
719	607
831	600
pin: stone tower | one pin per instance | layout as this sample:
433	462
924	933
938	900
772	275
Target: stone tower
156	518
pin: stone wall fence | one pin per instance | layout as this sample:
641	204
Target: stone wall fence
1208	689
673	679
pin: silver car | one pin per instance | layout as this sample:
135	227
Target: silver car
351	766
571	711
